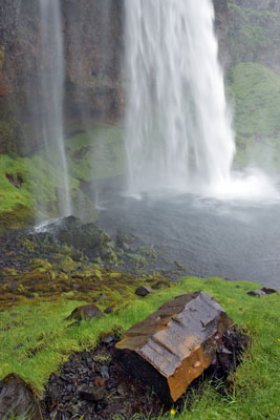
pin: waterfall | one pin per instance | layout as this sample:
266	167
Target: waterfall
178	127
51	79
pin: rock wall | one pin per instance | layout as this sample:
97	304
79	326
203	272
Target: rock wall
94	50
254	32
93	32
247	30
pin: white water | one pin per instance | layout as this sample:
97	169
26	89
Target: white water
51	75
178	127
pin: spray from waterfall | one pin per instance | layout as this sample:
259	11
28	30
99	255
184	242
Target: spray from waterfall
178	126
51	79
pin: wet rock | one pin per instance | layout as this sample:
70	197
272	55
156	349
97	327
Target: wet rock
262	292
123	389
85	237
104	371
85	312
174	345
269	291
76	392
256	293
230	352
92	394
143	291
108	310
17	399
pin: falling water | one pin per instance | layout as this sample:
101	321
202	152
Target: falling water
178	128
51	75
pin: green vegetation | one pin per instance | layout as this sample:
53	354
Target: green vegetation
31	183
255	91
252	32
35	339
14	190
8	133
96	154
16	202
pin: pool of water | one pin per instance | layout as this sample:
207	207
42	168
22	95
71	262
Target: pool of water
237	240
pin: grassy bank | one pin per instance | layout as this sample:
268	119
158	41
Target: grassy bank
35	340
29	185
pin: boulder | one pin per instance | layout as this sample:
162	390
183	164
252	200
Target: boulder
174	345
85	312
143	291
261	292
92	394
17	400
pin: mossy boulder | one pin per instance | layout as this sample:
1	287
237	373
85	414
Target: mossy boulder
85	312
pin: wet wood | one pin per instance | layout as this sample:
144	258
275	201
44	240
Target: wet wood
174	345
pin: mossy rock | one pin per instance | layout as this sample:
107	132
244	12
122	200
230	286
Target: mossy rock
18	218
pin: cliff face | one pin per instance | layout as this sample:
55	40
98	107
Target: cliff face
94	50
248	30
93	36
222	30
254	32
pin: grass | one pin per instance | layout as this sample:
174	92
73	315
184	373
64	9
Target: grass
10	195
35	340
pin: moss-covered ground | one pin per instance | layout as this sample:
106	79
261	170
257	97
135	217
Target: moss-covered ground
35	340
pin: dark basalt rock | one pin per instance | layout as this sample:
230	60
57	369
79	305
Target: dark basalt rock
261	292
93	385
108	310
80	391
18	400
92	394
143	291
86	237
85	312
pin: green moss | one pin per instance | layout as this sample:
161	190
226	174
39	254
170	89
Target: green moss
255	91
44	181
7	132
251	31
35	339
96	154
12	196
16	202
26	186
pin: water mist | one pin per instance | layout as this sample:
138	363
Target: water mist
178	126
51	79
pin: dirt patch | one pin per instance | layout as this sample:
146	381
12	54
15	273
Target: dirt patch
94	385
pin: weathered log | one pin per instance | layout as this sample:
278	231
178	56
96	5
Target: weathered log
174	345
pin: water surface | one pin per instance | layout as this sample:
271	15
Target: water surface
231	239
